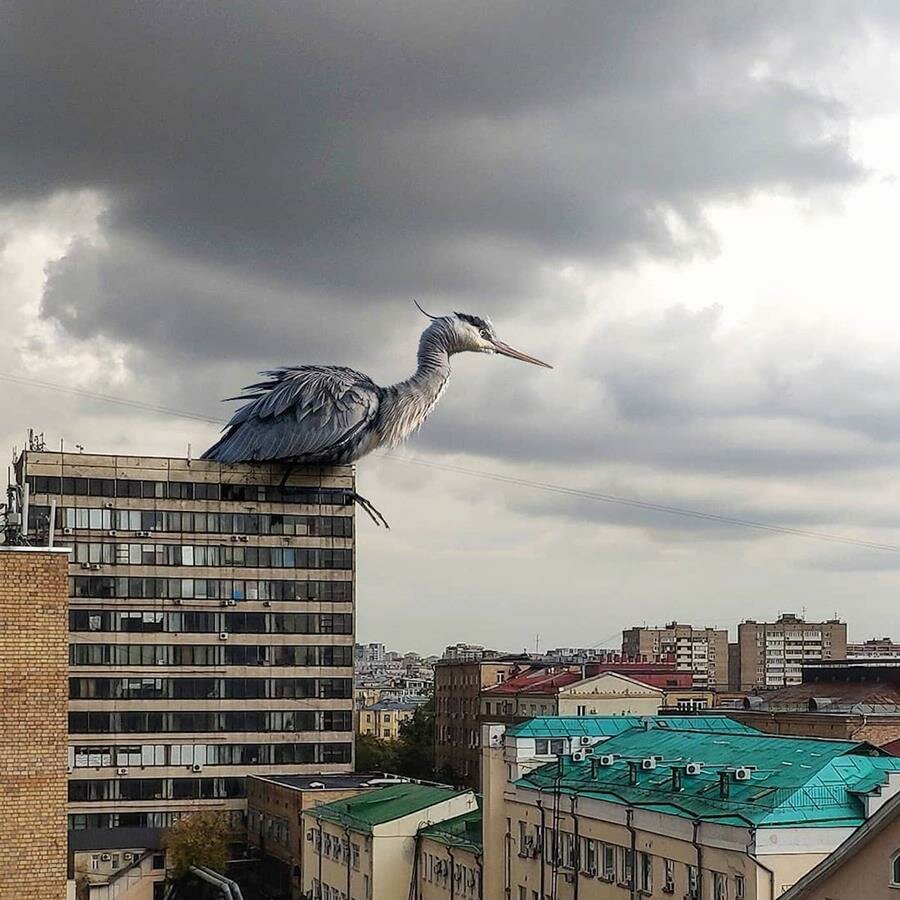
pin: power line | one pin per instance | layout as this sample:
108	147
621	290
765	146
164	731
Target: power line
548	487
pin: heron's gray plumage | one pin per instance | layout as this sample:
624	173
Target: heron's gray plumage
332	415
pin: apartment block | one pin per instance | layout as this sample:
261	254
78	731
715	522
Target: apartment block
771	655
211	628
458	684
384	718
33	663
701	651
874	648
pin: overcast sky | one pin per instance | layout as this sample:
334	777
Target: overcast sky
690	208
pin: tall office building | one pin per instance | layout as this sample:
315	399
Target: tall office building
211	628
771	654
701	651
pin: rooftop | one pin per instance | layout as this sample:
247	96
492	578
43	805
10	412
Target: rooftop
406	703
330	782
464	831
607	726
367	810
792	781
537	681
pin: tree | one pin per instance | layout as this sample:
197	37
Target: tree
374	754
415	748
200	839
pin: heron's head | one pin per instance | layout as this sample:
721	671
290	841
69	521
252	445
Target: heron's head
466	332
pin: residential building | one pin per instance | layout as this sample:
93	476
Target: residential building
125	870
210	625
704	815
468	653
33	671
369	654
275	807
366	846
852	699
874	648
771	655
383	719
866	865
457	691
701	651
450	863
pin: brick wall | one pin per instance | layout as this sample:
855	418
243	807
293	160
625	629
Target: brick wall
33	696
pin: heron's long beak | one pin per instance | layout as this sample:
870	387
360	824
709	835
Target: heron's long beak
506	350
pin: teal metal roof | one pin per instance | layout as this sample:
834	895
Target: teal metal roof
795	781
609	726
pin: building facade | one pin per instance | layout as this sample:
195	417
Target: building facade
450	864
701	651
771	655
33	672
367	846
211	628
384	718
457	698
874	648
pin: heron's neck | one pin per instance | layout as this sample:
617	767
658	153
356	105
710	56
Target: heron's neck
407	404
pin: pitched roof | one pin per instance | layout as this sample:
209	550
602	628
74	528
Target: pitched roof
536	681
363	812
607	726
464	831
794	780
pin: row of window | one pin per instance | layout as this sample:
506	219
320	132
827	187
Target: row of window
229	555
82	821
153	622
178	522
103	587
188	490
616	864
173	722
210	688
154	755
104	790
340	849
208	655
447	873
271	828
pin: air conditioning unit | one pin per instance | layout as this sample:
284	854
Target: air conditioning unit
742	773
234	537
112	532
105	857
177	601
606	759
196	767
95	567
230	603
68	770
67	531
223	635
648	764
122	770
267	602
243	538
142	534
586	741
693	768
591	871
127	856
109	505
85	565
578	756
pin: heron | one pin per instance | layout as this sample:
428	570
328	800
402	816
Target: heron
333	415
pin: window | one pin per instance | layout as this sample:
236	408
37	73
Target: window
693	883
668	876
626	866
609	862
645	873
739	893
720	886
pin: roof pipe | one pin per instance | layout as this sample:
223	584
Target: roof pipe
215	879
231	889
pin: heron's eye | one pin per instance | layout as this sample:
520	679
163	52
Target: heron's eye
484	333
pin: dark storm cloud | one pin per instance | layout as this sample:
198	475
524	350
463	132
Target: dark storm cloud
265	159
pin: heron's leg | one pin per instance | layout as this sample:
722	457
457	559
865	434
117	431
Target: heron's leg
372	512
287	474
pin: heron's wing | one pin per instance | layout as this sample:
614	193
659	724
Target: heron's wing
305	413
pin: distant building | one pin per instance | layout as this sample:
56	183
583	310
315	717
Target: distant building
771	655
857	699
33	737
210	629
468	653
366	846
384	718
275	807
369	653
450	863
874	648
701	651
457	691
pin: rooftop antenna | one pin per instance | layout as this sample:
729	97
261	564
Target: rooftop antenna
189	453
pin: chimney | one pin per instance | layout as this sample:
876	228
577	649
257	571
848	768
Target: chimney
633	771
677	773
724	784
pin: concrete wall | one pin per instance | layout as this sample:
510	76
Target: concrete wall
33	726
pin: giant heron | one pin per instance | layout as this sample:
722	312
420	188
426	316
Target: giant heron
332	415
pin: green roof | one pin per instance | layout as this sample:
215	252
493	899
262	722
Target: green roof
364	811
609	726
464	831
801	781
